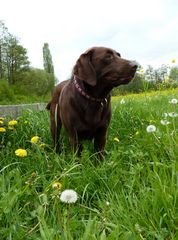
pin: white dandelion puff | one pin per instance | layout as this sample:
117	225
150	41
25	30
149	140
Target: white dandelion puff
68	196
172	114
174	101
164	122
122	101
151	128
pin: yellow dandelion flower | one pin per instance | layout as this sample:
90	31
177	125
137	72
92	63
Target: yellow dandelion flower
2	129
12	123
34	174
42	145
35	139
11	128
21	152
57	185
2	119
173	60
116	139
1	122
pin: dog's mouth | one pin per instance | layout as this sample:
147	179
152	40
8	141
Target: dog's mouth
115	79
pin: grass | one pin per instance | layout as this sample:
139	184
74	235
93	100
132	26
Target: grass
132	194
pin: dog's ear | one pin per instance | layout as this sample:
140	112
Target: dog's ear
84	70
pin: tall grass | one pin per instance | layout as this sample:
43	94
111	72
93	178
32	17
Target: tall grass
131	194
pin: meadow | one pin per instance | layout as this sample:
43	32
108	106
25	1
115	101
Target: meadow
132	194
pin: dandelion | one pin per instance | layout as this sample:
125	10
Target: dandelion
116	139
2	119
68	196
2	129
151	128
164	122
12	123
21	152
173	60
172	114
122	101
174	101
42	145
57	185
34	174
34	139
107	203
1	122
11	128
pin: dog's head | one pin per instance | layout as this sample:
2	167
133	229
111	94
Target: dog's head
100	63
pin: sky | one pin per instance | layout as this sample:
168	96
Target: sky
141	30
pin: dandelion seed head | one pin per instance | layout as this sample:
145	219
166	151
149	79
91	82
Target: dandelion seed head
151	128
68	196
122	101
164	122
174	101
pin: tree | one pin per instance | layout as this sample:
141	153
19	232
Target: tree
16	60
47	59
13	57
47	62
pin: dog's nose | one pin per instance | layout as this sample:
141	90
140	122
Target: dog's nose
133	66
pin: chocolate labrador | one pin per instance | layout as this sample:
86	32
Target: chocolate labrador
82	104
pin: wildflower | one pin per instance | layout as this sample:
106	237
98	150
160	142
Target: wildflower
174	101
1	122
11	128
107	203
173	60
12	123
141	71
2	129
42	145
151	128
34	174
68	196
122	101
116	139
57	185
34	139
172	114
164	122
1	119
21	152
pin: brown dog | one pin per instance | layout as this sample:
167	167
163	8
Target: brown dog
82	104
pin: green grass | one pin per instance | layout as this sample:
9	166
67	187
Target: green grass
131	194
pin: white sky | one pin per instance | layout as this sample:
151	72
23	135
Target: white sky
141	30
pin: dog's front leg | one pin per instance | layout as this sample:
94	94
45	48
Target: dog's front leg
100	141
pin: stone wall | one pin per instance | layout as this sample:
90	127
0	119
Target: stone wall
16	110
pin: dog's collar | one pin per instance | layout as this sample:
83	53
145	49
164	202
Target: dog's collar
86	95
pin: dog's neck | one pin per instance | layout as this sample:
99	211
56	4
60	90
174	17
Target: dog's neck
95	94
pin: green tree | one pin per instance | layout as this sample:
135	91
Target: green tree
48	63
16	60
47	59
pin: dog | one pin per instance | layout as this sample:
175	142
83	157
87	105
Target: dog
82	104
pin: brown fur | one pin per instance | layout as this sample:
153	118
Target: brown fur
97	71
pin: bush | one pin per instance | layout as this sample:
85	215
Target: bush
35	82
6	92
